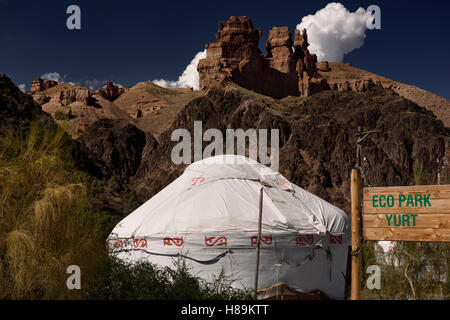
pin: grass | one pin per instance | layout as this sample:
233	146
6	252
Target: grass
49	216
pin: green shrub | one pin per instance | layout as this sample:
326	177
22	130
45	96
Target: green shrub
144	280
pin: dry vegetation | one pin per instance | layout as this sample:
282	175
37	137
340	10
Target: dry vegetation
48	216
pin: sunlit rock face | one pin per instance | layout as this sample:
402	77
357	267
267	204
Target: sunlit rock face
287	69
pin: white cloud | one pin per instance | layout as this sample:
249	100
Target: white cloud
189	77
166	83
94	84
55	76
334	31
23	87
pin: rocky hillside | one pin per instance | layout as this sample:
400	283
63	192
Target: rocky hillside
345	77
76	108
123	135
317	141
153	107
16	108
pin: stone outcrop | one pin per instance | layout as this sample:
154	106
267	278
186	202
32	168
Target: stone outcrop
41	98
235	57
279	50
63	113
111	91
38	85
67	97
323	66
360	85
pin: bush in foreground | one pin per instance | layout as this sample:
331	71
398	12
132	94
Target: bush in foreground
144	280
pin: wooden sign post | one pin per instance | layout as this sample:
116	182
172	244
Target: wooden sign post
356	216
356	235
409	213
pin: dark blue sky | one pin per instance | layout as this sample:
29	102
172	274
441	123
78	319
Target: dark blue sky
132	41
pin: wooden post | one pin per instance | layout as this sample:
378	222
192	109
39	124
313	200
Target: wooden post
258	241
356	235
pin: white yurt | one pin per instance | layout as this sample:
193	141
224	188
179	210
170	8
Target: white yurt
209	215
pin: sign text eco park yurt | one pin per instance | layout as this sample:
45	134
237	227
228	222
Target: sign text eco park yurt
413	213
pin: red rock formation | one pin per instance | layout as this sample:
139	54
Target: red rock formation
309	81
41	98
111	91
323	66
279	50
236	49
235	57
360	85
69	96
38	85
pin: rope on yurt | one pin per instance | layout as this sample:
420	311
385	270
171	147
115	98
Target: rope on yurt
330	255
309	257
178	255
276	286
